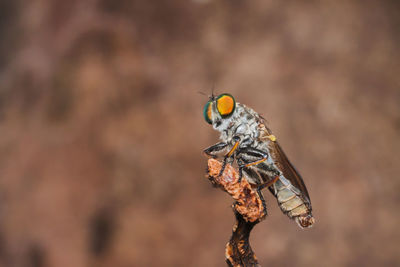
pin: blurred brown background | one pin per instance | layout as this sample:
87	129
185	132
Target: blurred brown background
102	128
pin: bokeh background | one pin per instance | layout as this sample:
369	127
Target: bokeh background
101	128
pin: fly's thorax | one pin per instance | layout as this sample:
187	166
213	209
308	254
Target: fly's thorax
243	123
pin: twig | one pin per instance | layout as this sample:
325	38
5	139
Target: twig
248	209
238	251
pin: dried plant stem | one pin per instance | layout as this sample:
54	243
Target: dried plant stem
248	209
238	251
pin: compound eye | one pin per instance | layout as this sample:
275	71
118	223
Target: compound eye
207	112
225	104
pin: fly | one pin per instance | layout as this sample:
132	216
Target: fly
246	140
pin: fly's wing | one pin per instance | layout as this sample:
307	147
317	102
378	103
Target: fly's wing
288	170
293	198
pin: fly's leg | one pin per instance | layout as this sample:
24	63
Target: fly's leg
230	154
240	174
253	155
258	190
213	150
260	195
250	156
270	182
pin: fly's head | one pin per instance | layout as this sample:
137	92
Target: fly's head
219	111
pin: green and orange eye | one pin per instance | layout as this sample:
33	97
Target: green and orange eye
207	112
225	105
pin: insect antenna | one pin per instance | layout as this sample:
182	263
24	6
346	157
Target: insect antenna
212	91
212	96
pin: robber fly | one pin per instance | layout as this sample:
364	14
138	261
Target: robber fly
248	141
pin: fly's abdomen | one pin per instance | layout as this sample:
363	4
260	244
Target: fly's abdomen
292	203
